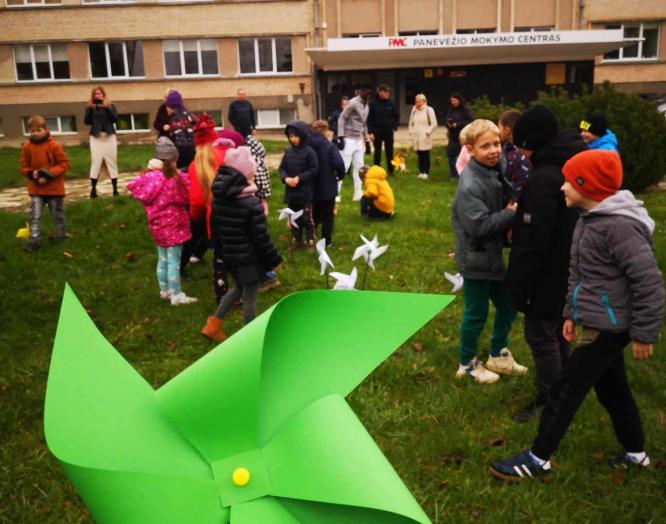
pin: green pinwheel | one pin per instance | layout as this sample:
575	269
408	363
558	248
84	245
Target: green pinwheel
257	431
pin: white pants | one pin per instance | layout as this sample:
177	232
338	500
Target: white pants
352	155
103	149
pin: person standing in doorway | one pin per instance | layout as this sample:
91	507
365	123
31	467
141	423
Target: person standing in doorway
352	134
101	116
241	114
383	121
458	116
422	124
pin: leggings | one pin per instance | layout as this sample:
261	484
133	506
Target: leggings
168	268
424	161
248	292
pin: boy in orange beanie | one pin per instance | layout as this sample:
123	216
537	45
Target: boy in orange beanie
616	295
43	162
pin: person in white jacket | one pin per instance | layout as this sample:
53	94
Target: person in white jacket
422	124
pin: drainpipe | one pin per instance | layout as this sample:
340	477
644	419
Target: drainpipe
316	99
581	14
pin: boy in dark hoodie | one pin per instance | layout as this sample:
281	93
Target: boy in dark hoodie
541	240
298	171
616	294
43	163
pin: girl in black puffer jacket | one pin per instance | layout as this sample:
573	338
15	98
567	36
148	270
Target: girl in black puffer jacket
240	237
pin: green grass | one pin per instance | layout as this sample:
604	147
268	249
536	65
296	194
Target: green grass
440	434
130	158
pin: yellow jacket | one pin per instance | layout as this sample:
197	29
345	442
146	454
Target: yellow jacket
378	189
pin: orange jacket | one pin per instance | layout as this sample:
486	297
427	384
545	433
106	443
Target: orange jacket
49	155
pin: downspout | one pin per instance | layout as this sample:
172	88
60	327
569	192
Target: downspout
316	99
581	14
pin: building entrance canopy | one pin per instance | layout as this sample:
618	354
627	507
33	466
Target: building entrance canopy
464	49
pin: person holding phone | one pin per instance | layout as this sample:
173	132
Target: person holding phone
101	115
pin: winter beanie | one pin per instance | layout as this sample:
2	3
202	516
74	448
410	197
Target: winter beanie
595	173
204	130
241	159
165	150
232	135
595	124
535	128
174	100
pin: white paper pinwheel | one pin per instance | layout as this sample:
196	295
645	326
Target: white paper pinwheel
456	280
257	431
290	216
323	258
369	251
344	281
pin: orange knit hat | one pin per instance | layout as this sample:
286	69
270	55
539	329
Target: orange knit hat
595	173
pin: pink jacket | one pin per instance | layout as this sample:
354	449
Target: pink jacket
165	201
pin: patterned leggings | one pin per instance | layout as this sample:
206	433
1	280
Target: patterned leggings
168	268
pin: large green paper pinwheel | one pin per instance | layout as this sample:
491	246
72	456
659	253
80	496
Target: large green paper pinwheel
257	431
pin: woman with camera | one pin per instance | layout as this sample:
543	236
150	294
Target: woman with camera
458	116
101	115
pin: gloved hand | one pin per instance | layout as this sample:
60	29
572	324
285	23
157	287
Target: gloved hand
341	142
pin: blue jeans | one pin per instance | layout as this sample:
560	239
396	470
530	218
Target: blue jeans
168	268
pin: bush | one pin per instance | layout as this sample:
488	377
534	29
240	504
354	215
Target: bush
482	107
640	128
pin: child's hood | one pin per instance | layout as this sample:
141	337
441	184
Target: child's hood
376	173
301	128
625	204
229	183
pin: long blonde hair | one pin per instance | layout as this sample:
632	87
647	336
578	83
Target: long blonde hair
205	163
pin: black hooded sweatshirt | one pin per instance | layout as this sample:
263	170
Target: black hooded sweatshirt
299	161
239	229
539	261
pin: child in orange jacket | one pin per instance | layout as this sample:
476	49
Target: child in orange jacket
377	200
43	162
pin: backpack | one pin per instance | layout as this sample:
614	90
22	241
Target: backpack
182	128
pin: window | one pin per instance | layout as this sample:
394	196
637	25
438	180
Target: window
41	62
361	35
474	31
116	59
264	55
532	29
417	33
272	118
58	125
133	123
190	57
32	3
215	114
108	1
645	46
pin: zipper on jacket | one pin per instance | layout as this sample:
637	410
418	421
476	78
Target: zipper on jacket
575	298
609	311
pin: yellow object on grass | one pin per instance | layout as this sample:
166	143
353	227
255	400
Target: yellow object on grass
23	232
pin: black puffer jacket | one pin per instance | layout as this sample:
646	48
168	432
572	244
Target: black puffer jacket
331	167
539	260
239	230
299	161
456	119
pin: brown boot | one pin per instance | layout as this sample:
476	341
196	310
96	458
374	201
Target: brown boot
213	330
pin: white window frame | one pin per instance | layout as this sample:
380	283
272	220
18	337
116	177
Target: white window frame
106	2
199	59
134	129
25	4
257	72
262	125
640	39
36	80
58	131
107	54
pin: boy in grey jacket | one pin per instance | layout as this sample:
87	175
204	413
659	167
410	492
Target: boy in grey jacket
480	220
616	294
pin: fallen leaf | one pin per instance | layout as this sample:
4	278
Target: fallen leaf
443	484
122	226
599	456
451	254
618	479
68	254
661	418
452	459
495	442
131	256
417	346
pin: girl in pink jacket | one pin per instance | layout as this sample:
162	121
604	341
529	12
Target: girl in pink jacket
165	195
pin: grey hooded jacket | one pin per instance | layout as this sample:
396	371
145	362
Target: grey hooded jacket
614	282
479	222
353	121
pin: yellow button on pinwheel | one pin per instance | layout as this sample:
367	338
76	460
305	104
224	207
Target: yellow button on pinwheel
240	477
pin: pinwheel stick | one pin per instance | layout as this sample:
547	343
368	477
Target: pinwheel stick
327	284
365	273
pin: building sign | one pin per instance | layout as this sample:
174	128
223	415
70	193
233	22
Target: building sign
474	40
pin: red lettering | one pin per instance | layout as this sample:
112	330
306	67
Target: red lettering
397	42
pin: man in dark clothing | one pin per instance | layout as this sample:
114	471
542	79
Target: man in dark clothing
457	117
241	114
539	261
383	121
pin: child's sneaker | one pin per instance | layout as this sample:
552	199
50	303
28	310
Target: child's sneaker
181	298
194	260
629	460
357	196
269	283
505	364
165	295
476	370
521	467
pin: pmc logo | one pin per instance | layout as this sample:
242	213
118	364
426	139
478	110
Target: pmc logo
397	42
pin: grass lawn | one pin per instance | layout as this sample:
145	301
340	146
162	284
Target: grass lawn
440	434
130	158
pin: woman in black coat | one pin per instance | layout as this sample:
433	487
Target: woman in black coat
101	116
458	116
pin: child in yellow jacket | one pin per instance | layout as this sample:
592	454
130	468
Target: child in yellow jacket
377	200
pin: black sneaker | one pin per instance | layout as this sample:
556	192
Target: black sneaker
518	468
623	461
32	245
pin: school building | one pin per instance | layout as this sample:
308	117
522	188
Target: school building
296	58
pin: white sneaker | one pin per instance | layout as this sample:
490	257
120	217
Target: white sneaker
505	364
165	295
194	260
357	196
476	370
420	175
338	199
425	176
181	298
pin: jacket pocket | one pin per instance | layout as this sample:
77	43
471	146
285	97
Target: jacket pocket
478	261
609	310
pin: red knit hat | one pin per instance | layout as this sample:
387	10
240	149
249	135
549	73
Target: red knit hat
204	130
595	173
